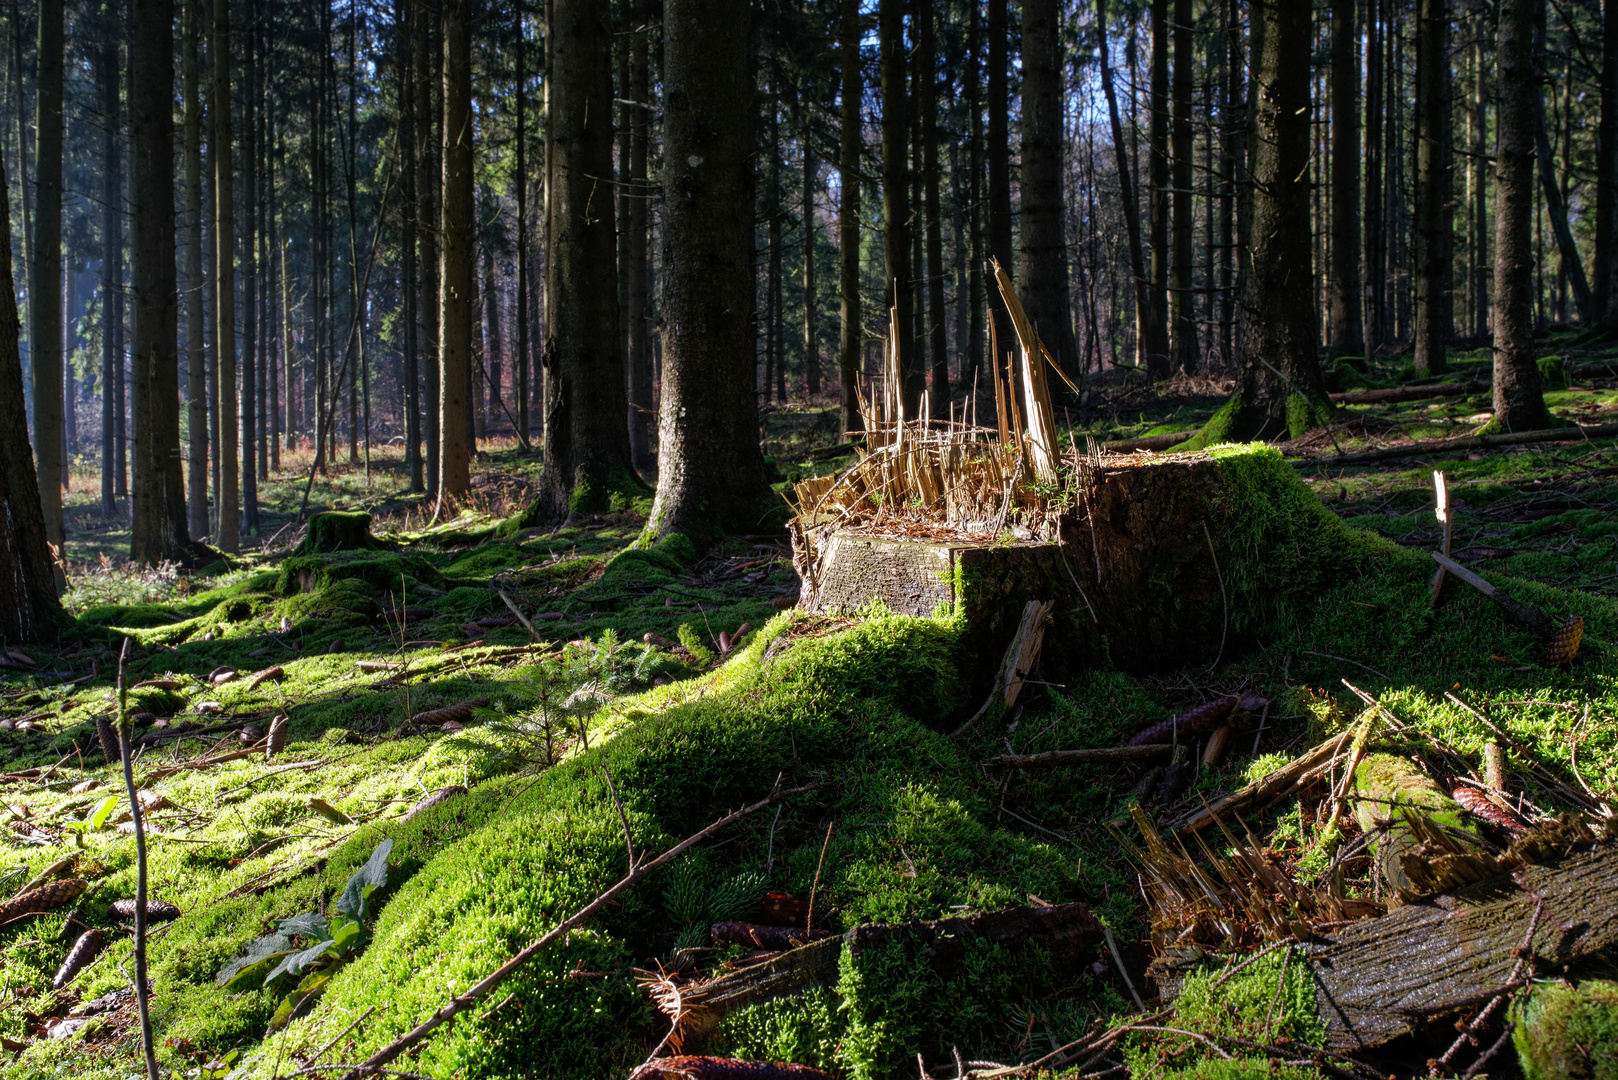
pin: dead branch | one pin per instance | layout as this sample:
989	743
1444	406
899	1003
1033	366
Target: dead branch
1103	755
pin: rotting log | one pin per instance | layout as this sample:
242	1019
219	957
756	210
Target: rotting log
1462	443
1067	933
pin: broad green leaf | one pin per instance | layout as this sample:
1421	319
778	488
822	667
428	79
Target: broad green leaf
366	880
346	937
296	962
103	811
238	974
300	1000
311	924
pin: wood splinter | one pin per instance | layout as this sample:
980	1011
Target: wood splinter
1561	639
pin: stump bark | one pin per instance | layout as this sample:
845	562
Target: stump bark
337	531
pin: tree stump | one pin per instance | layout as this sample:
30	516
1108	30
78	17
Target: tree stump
1166	559
334	530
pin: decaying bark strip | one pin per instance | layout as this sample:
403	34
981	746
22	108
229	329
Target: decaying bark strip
1019	660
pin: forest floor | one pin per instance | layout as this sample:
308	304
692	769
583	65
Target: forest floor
656	691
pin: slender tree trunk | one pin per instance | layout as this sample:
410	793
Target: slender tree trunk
1157	341
1234	168
112	261
1182	311
249	382
159	527
429	114
1043	267
811	347
458	236
405	15
23	169
1555	206
357	370
520	190
896	281
851	336
45	342
1480	187
642	436
1126	196
1606	253
972	187
1432	187
28	605
225	285
1280	391
1345	333
70	390
710	470
587	461
775	358
926	82
1519	403
999	140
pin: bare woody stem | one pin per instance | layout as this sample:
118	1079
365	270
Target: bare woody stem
140	868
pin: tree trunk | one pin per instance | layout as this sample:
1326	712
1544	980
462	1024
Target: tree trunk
224	238
406	14
1432	183
999	151
1043	267
70	391
1555	205
458	236
1182	311
159	527
710	471
971	188
896	283
249	381
1280	391
1519	403
429	93
1157	337
112	264
775	358
851	334
1606	257
811	347
1234	237
357	371
1126	195
925	78
587	461
494	342
1372	326
1480	189
28	604
519	185
642	437
1345	333
45	291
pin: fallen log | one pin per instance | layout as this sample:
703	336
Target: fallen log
1283	781
1153	443
1410	393
1103	755
1465	442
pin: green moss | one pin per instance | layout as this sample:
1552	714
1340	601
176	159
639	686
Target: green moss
806	1029
1240	1068
337	531
314	573
1569	1034
1552	372
658	563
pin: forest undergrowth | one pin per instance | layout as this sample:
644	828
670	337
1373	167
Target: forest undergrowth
502	709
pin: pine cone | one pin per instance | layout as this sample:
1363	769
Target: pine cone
461	712
156	910
1563	645
45	898
1480	805
109	739
84	950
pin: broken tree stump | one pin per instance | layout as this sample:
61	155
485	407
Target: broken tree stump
334	530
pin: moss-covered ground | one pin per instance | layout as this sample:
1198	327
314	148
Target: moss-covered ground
917	828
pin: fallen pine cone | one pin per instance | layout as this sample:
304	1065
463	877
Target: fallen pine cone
459	713
1480	805
1563	645
158	684
335	647
109	739
692	1067
249	735
156	910
763	937
222	674
278	737
269	674
84	950
1195	721
434	799
45	898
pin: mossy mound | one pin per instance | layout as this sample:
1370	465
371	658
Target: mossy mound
334	530
390	572
1569	1034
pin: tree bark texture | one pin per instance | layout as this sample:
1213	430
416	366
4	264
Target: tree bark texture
1606	282
1157	339
1519	403
811	346
45	290
710	469
925	80
999	141
1131	205
28	604
1567	249
1344	330
1279	389
897	288
249	349
406	14
196	381
224	237
851	335
587	458
1432	183
1043	267
458	251
1182	309
159	529
642	435
429	88
112	263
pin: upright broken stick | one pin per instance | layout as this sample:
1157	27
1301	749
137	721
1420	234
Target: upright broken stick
1561	639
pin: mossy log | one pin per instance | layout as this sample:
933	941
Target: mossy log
335	530
1391	796
1380	979
1166	560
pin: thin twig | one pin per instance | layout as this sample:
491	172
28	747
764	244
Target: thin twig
623	818
324	1049
470	997
125	727
1225	627
1118	959
809	921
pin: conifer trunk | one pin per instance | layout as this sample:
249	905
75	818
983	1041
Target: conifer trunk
1182	310
45	342
1606	252
896	281
225	285
642	433
429	91
1432	183
811	348
1345	333
458	239
249	365
926	83
999	141
112	262
851	337
1157	337
1131	206
405	15
1043	258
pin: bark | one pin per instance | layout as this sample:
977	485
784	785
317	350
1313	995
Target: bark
493	370
1519	403
1157	337
1432	184
1279	390
224	237
587	462
406	14
1606	171
1480	191
28	604
1555	206
999	141
45	290
1182	313
249	362
851	336
1233	155
519	184
710	470
774	359
1043	269
925	78
112	264
159	528
896	283
972	187
642	436
1373	325
1131	206
811	347
1344	331
428	92
458	237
